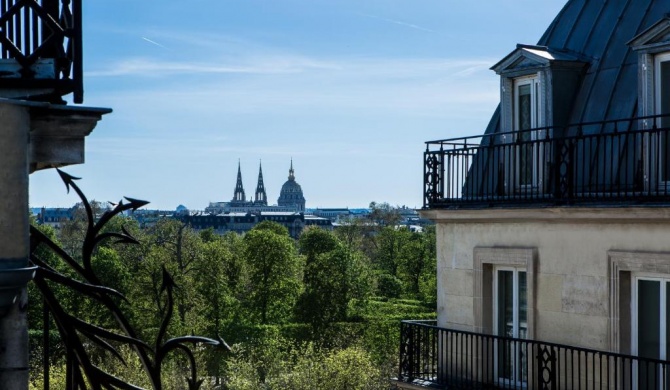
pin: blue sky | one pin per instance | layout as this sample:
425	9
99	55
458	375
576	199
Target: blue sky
350	89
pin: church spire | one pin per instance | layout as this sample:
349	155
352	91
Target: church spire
291	175
261	197
239	188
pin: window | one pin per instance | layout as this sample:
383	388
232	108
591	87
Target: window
527	118
640	292
649	337
493	269
662	107
511	320
653	49
503	303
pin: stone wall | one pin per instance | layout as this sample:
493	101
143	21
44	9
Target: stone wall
571	293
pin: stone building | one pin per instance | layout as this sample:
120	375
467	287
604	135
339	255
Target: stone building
291	193
553	226
291	198
241	215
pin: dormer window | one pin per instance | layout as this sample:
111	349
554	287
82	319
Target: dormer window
653	48
530	105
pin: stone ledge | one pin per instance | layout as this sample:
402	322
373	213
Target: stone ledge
417	384
575	214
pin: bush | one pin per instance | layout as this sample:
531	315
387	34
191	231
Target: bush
305	367
389	286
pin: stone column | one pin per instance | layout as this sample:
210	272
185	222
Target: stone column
14	244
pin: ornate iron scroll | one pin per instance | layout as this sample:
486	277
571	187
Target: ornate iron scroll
78	336
431	178
34	30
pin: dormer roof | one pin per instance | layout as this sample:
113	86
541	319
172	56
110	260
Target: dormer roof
527	58
656	36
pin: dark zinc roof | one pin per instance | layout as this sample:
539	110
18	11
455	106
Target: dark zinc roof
596	31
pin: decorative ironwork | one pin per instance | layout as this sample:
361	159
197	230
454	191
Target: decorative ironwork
405	348
78	336
468	360
44	37
546	363
618	161
431	177
565	157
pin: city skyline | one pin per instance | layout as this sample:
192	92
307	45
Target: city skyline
349	89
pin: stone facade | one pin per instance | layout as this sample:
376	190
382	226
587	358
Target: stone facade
575	259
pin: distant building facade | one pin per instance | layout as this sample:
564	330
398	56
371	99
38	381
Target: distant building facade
55	216
241	223
241	215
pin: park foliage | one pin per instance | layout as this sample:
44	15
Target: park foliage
319	312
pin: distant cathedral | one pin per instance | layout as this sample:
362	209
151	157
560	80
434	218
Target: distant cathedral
291	193
290	199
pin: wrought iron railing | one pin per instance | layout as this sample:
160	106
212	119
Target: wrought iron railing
44	38
625	160
465	360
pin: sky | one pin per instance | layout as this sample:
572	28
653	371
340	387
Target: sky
348	89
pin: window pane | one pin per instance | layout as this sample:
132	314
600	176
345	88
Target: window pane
523	305
524	113
521	358
525	122
664	95
648	318
648	330
505	303
505	323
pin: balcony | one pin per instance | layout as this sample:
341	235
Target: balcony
41	50
619	162
440	358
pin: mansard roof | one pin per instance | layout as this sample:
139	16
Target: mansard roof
597	32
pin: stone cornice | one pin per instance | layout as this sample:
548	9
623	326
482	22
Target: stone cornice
552	214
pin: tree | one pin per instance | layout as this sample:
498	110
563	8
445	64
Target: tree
275	272
383	214
390	242
413	259
334	275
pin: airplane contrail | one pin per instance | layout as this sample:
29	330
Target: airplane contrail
154	42
414	26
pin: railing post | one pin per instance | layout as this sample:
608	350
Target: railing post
45	340
546	366
405	366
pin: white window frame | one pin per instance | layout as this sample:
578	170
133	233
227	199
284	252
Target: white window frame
663	309
662	185
486	261
664	281
515	381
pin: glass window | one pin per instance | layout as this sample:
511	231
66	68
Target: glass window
526	119
511	320
650	331
662	88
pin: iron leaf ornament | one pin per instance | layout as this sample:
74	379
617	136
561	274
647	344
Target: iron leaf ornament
79	336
